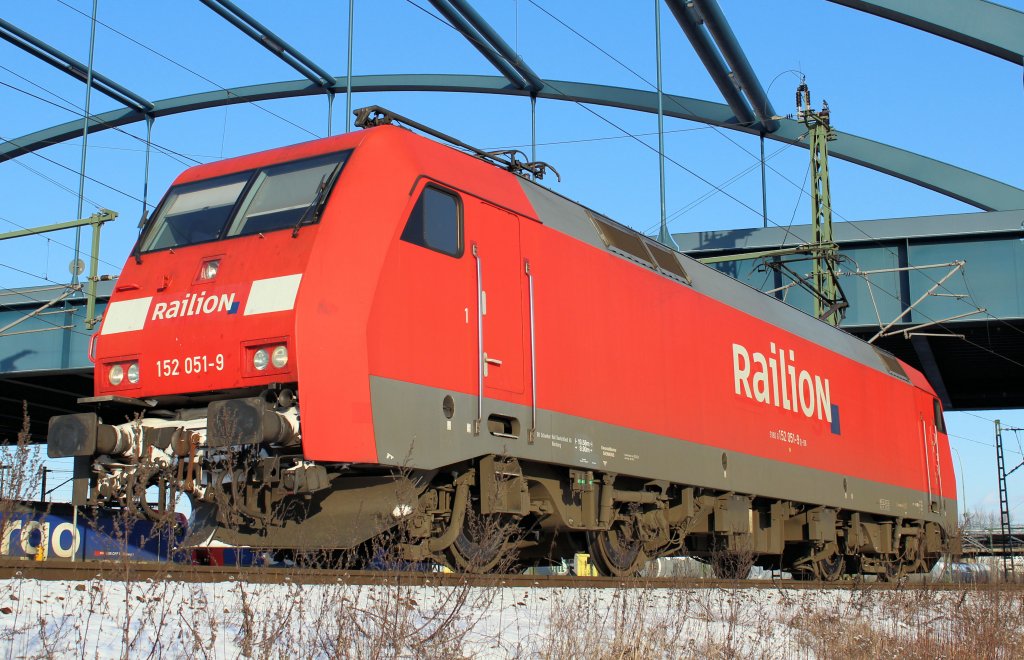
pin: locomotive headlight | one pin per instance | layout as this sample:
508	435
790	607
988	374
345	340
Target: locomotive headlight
209	269
133	373
260	359
116	375
279	357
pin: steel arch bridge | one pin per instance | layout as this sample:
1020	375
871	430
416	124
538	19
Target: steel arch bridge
989	28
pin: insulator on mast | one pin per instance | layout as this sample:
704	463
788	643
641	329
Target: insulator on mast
803	101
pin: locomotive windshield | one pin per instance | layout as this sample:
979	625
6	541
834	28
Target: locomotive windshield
275	197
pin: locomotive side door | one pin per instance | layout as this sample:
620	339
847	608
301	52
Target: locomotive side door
929	417
492	241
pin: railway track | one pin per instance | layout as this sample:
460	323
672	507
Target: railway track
155	571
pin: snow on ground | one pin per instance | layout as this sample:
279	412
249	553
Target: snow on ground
234	619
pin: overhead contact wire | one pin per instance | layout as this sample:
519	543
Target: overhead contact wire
191	71
709	183
74	109
93	179
801	188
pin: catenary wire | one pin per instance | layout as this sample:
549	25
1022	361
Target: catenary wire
781	174
671	99
70	169
982	443
77	110
185	68
605	138
727	194
56	183
627	134
36	300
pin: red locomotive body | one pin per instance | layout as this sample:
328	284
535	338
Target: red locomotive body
324	342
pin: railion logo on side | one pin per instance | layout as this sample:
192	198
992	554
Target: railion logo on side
195	305
775	380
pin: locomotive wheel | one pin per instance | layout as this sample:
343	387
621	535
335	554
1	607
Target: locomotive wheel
892	570
830	568
909	560
617	552
827	564
484	544
895	568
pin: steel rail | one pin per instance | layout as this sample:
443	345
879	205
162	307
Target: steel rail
969	187
132	571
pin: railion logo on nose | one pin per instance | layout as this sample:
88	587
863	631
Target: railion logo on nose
192	304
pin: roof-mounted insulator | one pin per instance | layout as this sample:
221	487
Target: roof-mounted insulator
372	116
534	169
375	115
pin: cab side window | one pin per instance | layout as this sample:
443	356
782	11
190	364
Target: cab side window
940	423
436	222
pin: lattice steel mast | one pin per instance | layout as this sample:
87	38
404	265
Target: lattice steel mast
822	284
829	304
1004	501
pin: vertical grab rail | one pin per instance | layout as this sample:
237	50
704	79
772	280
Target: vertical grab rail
927	462
533	360
938	465
479	343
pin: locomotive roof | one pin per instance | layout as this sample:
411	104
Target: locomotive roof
580	222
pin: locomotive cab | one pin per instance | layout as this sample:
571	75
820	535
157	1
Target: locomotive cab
201	327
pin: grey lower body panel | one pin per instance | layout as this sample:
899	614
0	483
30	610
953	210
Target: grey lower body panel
412	429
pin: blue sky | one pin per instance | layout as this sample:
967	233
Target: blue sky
883	81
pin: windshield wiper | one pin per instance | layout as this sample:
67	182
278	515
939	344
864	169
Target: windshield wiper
316	201
137	250
317	205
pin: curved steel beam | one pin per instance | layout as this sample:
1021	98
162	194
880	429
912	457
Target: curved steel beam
71	66
733	53
262	35
968	187
689	21
499	44
989	27
478	41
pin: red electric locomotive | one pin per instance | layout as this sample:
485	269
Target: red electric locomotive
324	342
